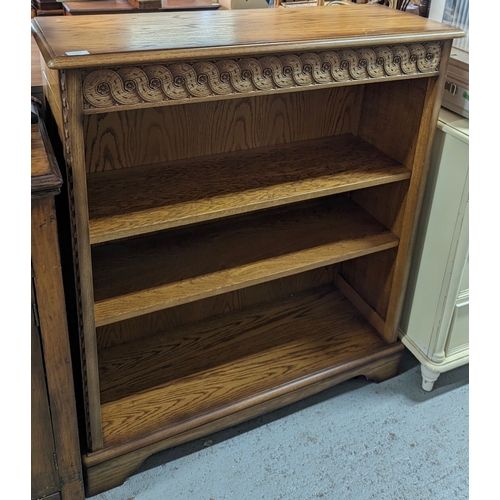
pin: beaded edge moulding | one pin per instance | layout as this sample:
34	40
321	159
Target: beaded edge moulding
156	83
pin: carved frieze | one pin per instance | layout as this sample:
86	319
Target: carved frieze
183	81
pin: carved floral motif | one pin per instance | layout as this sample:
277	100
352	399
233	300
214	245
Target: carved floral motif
104	88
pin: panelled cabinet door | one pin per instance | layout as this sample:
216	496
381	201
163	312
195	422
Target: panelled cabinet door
44	477
459	329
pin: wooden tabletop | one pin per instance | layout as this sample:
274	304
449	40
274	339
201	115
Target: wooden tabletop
81	41
123	6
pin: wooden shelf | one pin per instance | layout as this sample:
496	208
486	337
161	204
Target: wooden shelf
185	378
149	198
166	269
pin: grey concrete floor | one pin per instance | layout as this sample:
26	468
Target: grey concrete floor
357	441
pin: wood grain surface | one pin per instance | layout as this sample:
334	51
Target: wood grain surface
55	348
193	185
82	41
126	7
44	477
151	198
146	325
214	367
111	466
46	177
36	67
166	269
155	135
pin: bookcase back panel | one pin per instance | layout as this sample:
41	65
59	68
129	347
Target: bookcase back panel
139	137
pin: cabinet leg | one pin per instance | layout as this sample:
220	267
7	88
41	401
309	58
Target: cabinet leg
112	473
428	378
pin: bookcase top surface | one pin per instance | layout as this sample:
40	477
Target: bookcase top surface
87	41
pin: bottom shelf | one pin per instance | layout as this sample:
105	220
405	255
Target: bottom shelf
177	381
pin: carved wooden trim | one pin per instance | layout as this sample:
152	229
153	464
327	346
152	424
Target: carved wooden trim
181	82
68	159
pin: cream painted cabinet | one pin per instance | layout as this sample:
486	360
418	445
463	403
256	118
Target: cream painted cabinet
435	321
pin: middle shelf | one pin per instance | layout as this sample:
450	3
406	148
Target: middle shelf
138	200
141	275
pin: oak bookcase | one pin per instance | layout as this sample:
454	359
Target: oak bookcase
243	191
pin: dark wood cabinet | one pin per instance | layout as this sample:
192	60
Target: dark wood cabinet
55	451
44	477
47	8
84	8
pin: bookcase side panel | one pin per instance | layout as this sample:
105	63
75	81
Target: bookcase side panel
74	156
